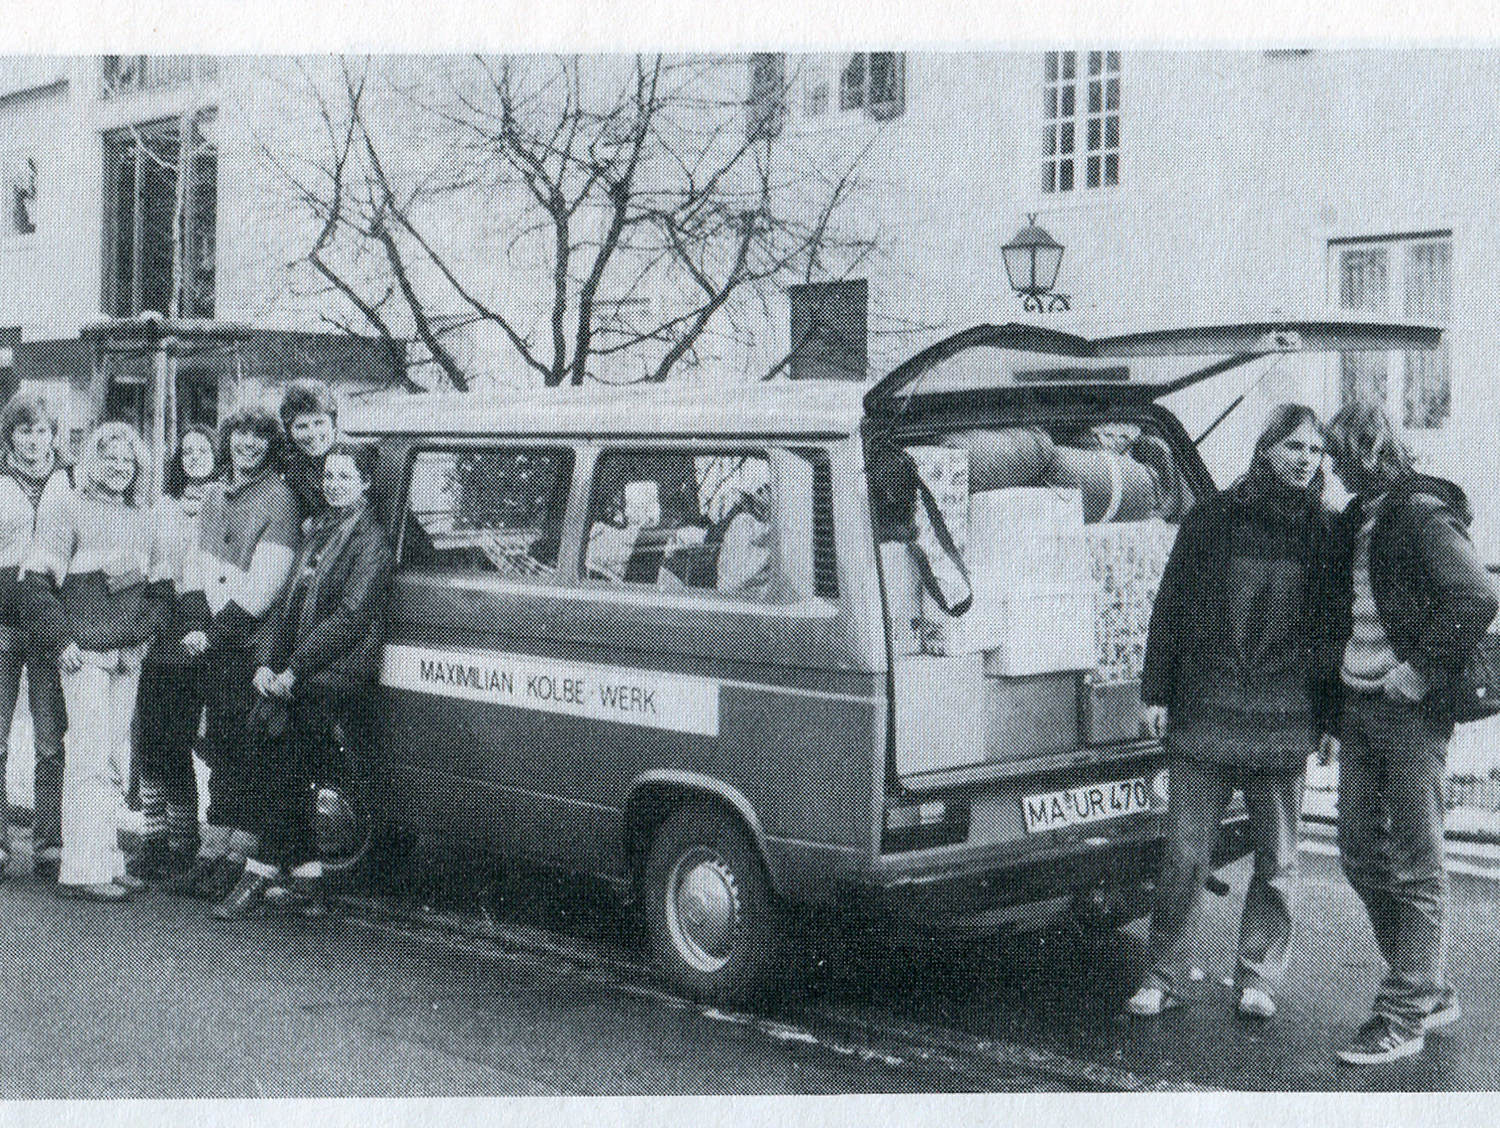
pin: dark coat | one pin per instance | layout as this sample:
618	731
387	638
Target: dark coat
304	477
1231	647
1434	597
329	625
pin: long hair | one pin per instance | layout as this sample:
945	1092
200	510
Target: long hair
257	420
90	461
1361	436
175	479
1281	422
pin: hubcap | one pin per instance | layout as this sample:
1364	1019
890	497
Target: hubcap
342	835
703	907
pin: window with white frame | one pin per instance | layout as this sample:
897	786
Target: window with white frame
1402	276
159	234
1081	120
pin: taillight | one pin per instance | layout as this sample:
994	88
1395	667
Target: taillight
920	826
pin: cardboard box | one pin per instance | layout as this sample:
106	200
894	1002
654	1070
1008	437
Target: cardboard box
945	472
1044	633
1027	541
940	722
1127	561
1030	716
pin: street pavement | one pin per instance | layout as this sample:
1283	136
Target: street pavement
1060	993
153	999
539	988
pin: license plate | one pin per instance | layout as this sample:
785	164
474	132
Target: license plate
1088	803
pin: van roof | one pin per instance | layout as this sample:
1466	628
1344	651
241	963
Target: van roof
810	408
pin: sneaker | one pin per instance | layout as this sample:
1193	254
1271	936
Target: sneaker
1149	1002
1255	1003
1448	1012
131	882
1380	1040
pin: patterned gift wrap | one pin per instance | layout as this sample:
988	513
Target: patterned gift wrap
1127	561
945	472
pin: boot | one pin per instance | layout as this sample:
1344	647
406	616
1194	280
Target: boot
221	880
214	844
179	861
302	893
190	881
45	865
246	895
151	862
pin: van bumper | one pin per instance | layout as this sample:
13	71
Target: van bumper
1111	881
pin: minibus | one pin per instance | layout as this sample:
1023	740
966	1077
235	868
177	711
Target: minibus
746	654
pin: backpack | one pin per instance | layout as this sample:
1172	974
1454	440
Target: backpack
1476	690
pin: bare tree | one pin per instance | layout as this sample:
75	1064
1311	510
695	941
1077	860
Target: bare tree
599	214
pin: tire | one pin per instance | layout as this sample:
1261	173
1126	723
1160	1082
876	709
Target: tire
716	931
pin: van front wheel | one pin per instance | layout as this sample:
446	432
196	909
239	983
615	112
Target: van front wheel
715	930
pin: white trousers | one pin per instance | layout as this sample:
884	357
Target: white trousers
100	699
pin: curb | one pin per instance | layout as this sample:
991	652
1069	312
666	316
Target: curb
838	1030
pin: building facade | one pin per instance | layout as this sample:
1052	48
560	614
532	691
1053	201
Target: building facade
1184	185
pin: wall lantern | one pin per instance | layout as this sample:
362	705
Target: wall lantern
1032	260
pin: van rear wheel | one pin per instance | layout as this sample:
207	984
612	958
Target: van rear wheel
716	931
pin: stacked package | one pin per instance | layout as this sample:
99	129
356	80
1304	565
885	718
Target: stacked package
1127	561
1033	595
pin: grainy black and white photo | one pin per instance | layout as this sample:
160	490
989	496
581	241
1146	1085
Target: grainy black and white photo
969	569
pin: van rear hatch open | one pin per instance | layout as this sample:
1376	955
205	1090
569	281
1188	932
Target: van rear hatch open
1058	481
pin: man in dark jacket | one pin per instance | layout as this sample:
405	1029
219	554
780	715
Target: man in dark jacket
1408	604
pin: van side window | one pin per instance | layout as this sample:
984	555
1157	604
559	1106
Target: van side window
487	510
740	523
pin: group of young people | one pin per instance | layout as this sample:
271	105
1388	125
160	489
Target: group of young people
238	616
1279	628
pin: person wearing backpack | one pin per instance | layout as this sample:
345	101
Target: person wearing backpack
1408	604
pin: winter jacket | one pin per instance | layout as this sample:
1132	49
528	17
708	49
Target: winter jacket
95	572
328	627
1231	645
18	517
304	477
249	537
1434	597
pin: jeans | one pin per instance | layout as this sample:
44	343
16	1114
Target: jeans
169	711
101	704
1200	793
1391	766
48	720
